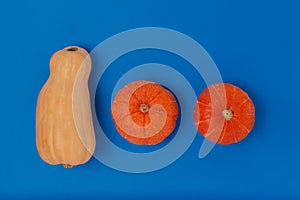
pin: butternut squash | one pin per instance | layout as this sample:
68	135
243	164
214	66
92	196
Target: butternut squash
64	128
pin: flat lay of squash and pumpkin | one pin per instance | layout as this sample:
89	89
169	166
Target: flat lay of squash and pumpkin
143	112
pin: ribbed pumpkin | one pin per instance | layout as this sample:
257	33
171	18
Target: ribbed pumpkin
144	112
235	113
64	129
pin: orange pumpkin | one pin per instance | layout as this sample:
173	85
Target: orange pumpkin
234	118
64	128
144	112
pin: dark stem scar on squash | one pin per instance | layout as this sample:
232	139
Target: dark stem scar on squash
72	49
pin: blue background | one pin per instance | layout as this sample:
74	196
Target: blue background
255	45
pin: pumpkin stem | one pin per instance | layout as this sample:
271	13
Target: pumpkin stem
227	114
144	108
67	166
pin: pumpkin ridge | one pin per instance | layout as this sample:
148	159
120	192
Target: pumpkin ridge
81	79
154	98
50	145
39	137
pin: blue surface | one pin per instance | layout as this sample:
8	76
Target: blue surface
255	45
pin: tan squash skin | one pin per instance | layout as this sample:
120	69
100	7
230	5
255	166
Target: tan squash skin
64	128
